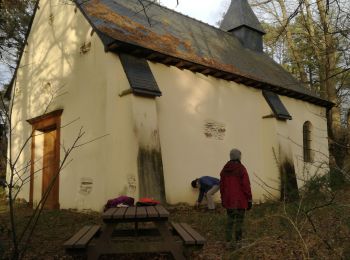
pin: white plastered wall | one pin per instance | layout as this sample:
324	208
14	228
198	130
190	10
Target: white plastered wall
66	61
191	100
302	112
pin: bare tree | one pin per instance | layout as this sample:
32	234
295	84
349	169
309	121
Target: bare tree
314	38
18	176
300	222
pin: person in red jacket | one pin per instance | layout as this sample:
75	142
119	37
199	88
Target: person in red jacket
236	195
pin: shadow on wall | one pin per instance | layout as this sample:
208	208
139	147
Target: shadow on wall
46	68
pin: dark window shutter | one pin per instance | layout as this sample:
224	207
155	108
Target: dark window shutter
139	75
276	105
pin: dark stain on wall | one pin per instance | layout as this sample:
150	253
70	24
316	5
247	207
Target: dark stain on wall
289	185
151	176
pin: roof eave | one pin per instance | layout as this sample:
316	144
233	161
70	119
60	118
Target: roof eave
206	70
181	64
262	32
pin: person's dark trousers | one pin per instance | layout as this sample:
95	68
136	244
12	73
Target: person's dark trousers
235	217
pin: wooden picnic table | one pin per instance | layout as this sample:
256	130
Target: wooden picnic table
104	244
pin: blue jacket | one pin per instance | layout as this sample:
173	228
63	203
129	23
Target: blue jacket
205	184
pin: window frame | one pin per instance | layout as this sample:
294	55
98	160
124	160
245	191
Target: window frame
307	142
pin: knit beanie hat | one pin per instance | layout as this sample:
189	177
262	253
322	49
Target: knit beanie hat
235	154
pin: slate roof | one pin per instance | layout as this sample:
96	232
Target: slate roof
123	26
172	34
240	14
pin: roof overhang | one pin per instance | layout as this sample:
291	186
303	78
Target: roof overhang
112	45
154	56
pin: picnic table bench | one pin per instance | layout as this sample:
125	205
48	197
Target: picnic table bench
188	234
95	240
82	238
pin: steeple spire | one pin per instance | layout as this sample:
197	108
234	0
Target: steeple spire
243	23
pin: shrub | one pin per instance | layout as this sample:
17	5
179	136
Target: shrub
337	179
317	184
2	193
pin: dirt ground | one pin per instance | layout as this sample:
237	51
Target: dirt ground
56	226
272	231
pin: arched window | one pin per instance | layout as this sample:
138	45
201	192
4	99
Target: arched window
307	127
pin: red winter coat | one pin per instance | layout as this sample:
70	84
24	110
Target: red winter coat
235	186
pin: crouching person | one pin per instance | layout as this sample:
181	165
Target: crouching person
236	196
207	186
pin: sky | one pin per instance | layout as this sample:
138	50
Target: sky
208	11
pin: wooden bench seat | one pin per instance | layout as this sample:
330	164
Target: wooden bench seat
189	236
81	239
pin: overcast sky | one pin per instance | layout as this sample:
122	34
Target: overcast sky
209	11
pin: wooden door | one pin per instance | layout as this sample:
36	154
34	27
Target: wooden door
50	178
50	126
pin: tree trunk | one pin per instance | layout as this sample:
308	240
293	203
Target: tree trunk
297	58
316	47
337	145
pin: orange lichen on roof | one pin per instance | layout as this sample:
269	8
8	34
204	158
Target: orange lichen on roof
133	32
130	31
124	29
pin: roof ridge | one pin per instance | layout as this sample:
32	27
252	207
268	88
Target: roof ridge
185	15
